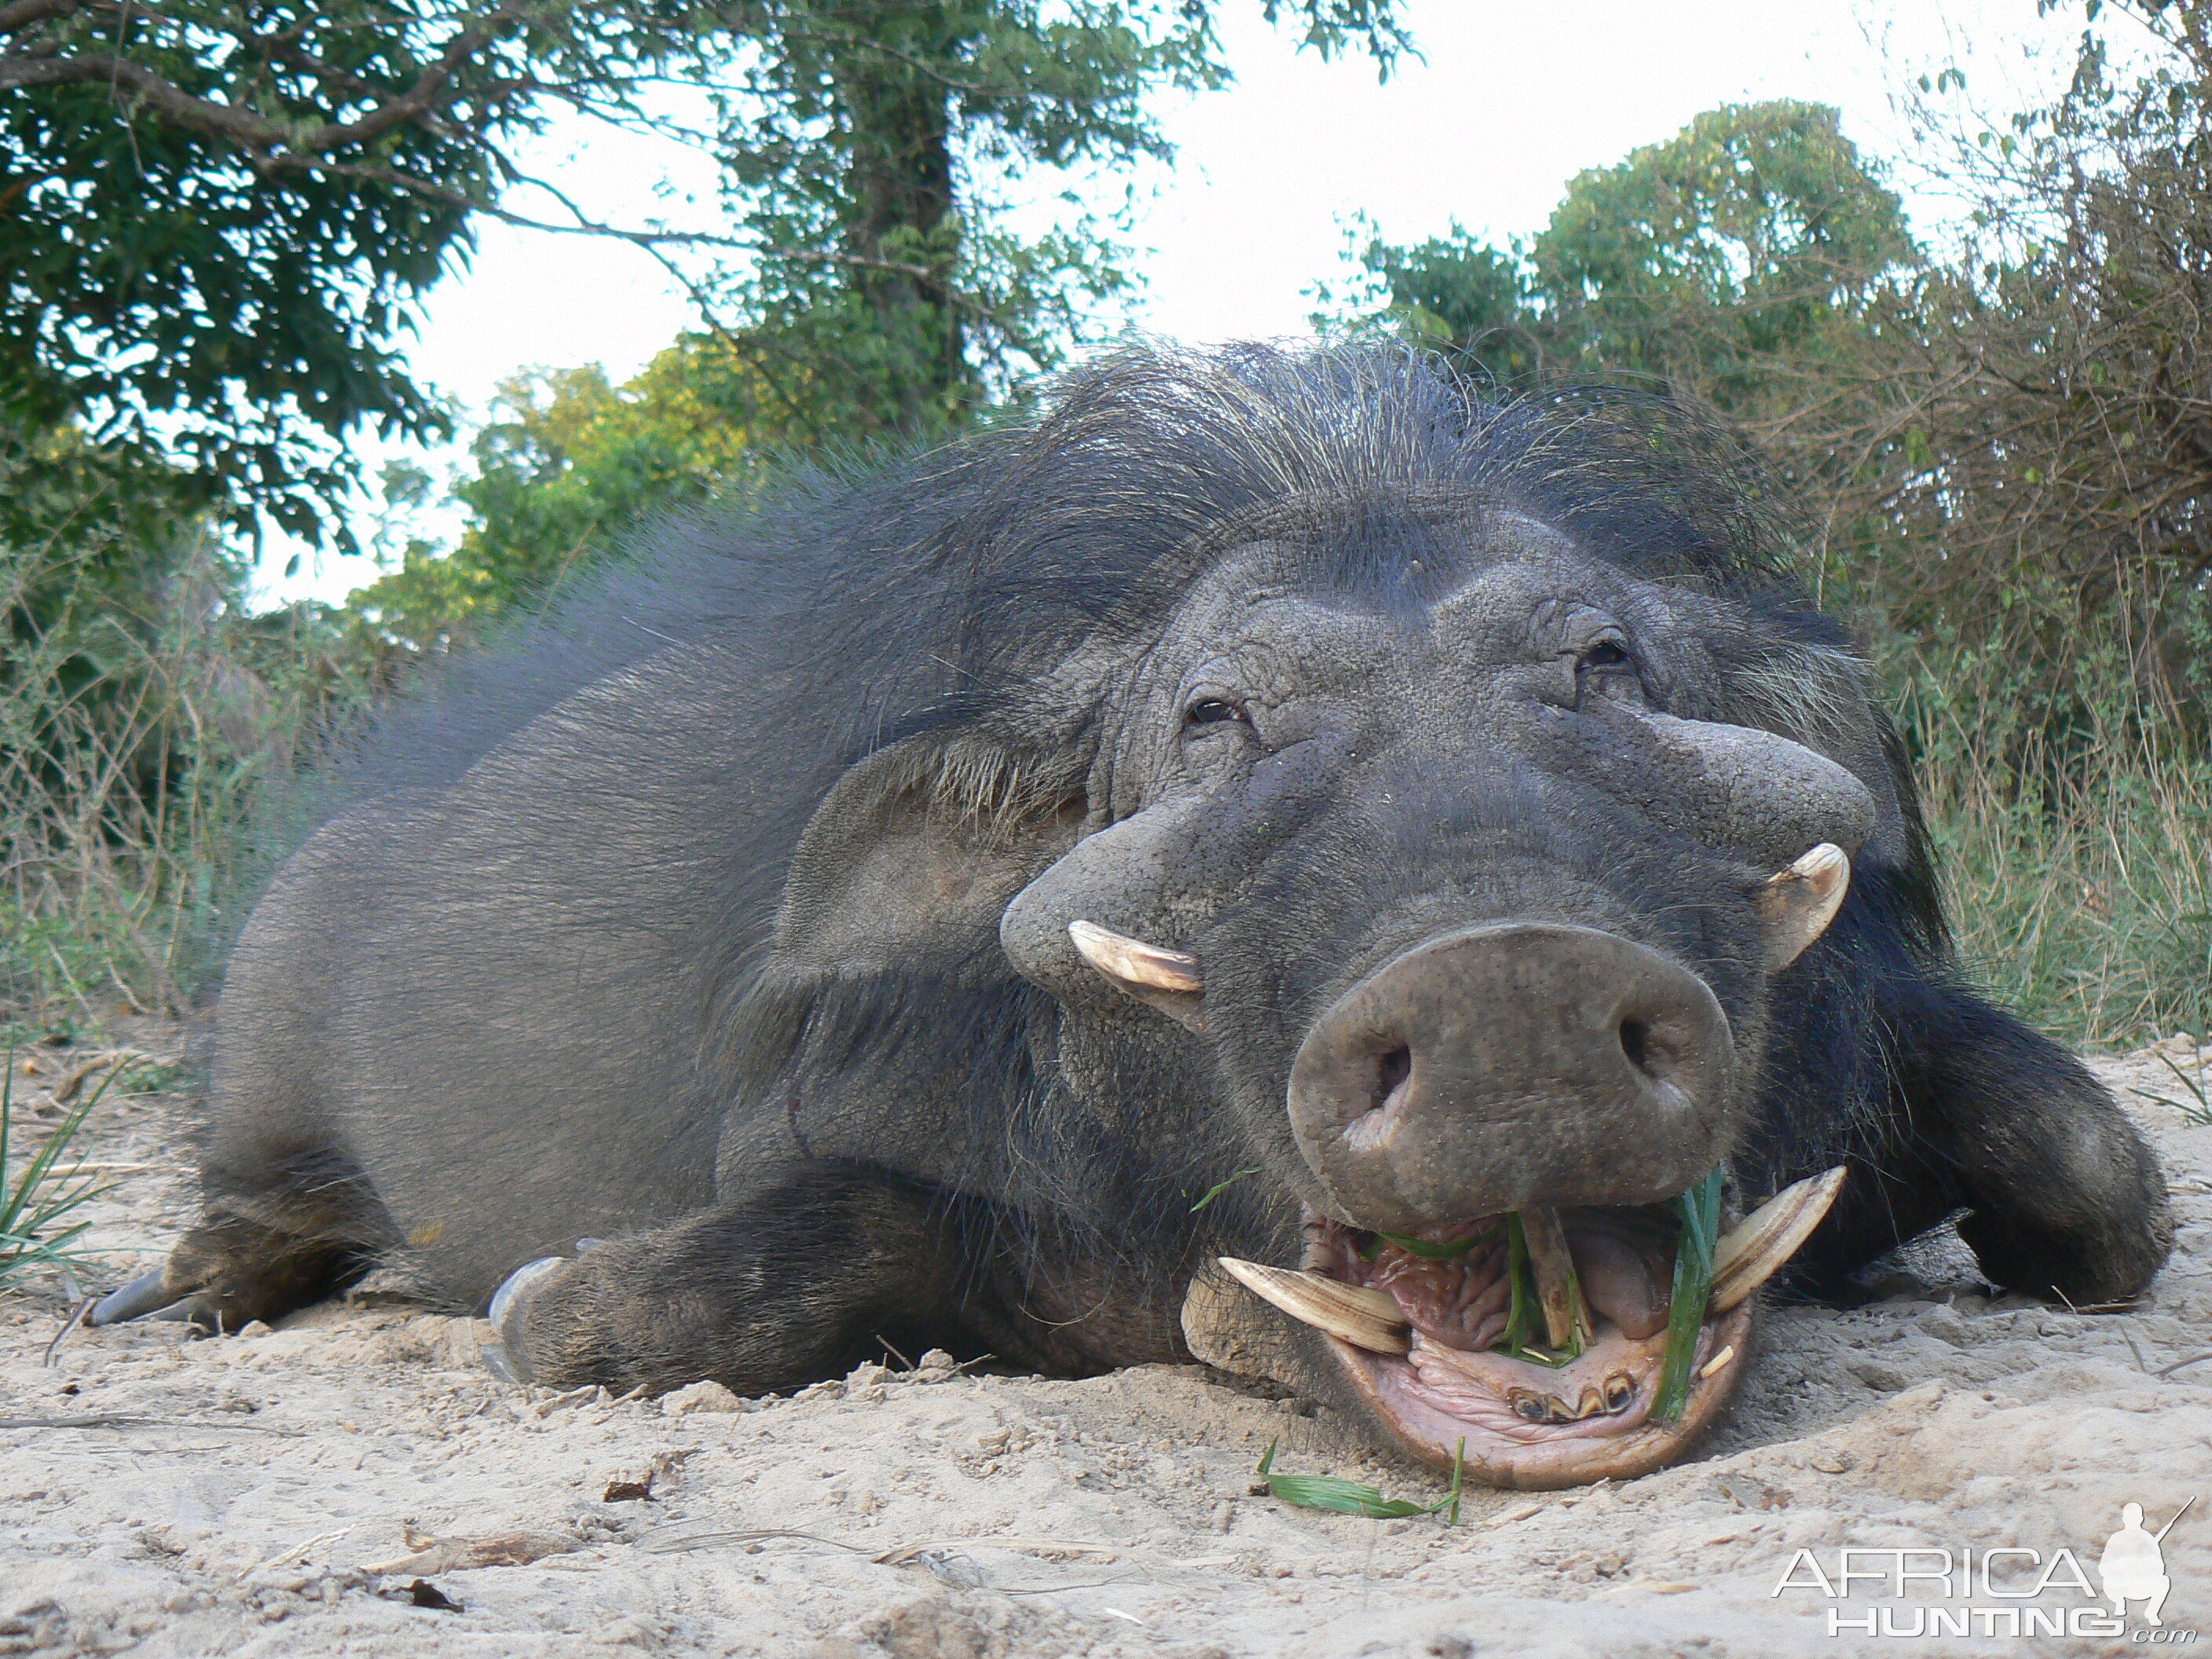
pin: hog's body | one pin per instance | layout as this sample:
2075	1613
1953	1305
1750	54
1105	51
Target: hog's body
729	922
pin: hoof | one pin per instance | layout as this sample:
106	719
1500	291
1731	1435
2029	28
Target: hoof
497	1362
143	1295
508	1358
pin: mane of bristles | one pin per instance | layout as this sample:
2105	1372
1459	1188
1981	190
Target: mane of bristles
932	592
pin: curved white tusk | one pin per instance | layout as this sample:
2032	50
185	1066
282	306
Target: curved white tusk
1365	1318
1798	904
1135	962
1757	1247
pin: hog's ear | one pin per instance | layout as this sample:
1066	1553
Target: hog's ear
911	859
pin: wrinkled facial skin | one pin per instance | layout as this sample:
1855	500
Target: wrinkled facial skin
1455	800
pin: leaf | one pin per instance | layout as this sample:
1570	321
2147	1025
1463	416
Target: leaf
1342	1497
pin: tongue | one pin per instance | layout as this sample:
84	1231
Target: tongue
1619	1282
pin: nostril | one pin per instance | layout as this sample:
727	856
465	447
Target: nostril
1393	1069
1649	1050
1645	1052
1386	1089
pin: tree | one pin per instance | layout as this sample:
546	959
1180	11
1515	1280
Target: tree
569	462
1716	263
882	296
216	224
1742	240
1457	293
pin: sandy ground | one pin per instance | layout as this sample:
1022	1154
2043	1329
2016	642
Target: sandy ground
283	1491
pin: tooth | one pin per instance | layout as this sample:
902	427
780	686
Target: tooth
1798	904
1619	1390
1119	957
1364	1318
1590	1402
1757	1247
1564	1311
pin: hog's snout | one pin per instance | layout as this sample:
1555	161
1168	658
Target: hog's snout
1511	1065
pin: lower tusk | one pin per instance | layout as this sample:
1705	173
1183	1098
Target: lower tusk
1761	1244
1798	905
1366	1319
1132	960
1566	1315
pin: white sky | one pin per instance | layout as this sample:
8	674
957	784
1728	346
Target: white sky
1513	100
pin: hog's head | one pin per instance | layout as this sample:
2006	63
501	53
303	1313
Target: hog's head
1433	879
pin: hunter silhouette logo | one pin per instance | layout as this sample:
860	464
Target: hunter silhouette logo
1996	1590
2133	1566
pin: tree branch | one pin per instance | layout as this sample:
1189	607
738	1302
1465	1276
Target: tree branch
240	126
24	13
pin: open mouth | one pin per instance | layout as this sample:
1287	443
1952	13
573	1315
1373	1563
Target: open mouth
1542	1342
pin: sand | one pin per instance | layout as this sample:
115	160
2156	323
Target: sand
285	1491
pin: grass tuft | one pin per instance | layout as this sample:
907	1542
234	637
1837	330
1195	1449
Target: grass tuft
37	1201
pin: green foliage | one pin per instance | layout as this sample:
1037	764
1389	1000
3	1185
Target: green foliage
214	224
569	466
1455	292
1716	260
217	225
868	146
872	149
1744	238
2078	865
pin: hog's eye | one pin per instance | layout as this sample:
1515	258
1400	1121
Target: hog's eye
1605	668
1212	711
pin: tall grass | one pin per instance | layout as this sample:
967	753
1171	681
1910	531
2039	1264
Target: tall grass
2078	861
137	722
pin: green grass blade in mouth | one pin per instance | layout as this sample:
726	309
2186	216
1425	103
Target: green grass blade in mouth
1428	1252
1700	1209
1526	1309
1523	1286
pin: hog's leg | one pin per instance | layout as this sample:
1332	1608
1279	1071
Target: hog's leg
277	1235
2065	1194
786	1287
